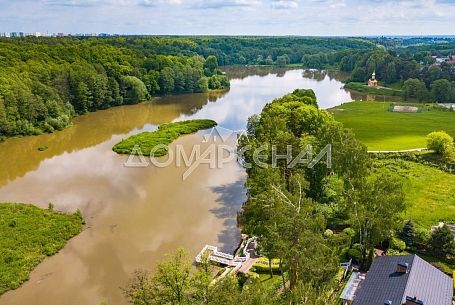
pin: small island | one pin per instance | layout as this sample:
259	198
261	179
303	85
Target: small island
165	135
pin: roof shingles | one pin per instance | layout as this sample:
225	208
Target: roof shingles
422	280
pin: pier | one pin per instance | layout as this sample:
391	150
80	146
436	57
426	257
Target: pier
240	263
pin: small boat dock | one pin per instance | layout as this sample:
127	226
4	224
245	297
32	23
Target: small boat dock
239	263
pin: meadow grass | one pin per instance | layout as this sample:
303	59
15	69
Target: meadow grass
430	192
380	129
27	235
165	135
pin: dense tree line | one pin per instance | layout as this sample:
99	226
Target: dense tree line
44	82
416	73
245	50
293	205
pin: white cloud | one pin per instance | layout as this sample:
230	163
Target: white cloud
220	4
284	4
240	17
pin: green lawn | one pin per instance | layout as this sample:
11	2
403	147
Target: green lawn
381	129
430	192
27	235
165	135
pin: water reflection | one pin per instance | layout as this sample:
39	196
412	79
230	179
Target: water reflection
135	216
249	94
19	156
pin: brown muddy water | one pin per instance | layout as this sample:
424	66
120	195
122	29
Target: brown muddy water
136	215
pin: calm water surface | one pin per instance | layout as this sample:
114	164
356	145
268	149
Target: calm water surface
135	216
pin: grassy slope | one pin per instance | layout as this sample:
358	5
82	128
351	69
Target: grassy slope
165	135
27	235
430	192
380	129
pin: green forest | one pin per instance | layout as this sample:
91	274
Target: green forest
44	82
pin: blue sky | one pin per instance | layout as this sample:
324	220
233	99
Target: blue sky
231	17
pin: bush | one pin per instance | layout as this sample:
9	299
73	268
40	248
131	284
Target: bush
328	233
397	244
440	141
393	252
349	231
422	238
355	252
262	265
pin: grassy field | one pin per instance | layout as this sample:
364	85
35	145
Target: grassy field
27	235
165	135
430	192
381	129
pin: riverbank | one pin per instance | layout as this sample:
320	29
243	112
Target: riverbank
211	92
29	234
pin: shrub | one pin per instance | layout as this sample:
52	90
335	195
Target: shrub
422	238
262	266
393	252
440	141
349	231
355	252
328	233
397	244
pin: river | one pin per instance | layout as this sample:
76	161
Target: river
135	216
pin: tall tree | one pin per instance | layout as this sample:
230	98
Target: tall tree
375	206
441	91
442	242
211	65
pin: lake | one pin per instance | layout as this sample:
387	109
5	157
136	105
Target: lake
136	215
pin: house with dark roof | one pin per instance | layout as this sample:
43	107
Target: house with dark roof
404	280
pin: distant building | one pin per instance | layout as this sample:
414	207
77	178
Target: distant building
404	280
373	82
34	34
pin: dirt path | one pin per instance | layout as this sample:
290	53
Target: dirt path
396	151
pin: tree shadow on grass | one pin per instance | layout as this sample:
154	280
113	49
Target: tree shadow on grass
230	198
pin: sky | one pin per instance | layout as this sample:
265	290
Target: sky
231	17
